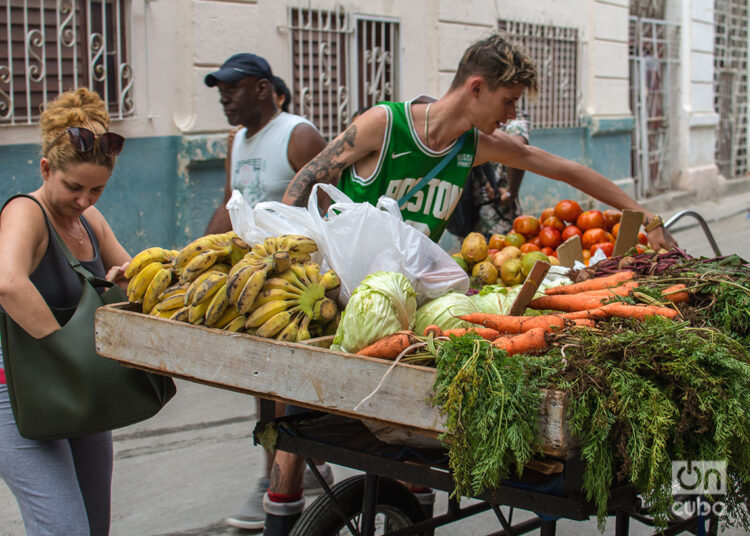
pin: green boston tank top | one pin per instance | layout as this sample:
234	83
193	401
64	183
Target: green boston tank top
404	161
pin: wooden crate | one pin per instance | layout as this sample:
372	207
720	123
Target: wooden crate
301	374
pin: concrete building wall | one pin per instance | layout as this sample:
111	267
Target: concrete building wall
169	178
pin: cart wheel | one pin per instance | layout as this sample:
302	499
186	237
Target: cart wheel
397	508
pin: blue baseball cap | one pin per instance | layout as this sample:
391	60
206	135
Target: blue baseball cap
238	67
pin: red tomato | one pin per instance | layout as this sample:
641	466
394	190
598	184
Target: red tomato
496	241
615	229
610	238
550	237
553	254
607	248
546	213
548	251
527	225
642	238
611	217
554	221
536	241
640	249
593	236
528	246
590	219
571	230
568	210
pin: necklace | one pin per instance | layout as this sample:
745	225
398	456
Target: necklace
426	123
80	236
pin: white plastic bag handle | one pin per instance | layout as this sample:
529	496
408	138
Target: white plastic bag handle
390	205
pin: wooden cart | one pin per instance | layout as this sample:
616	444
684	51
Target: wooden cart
312	376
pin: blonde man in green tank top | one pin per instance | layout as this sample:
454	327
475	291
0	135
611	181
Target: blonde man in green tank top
390	147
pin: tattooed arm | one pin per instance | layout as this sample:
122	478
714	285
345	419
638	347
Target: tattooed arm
363	138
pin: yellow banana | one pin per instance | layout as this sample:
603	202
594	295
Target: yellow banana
181	314
208	287
292	278
274	324
313	271
303	333
301	274
218	304
196	313
259	250
145	257
229	314
299	257
199	264
269	294
325	309
139	284
271	244
330	280
196	247
302	244
162	314
250	291
171	291
289	333
236	325
159	284
266	311
281	284
193	286
236	282
173	302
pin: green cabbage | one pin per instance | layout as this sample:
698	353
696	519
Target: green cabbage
384	303
495	299
443	312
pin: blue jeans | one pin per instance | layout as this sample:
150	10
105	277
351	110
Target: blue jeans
62	486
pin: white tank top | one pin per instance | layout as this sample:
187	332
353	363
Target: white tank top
260	165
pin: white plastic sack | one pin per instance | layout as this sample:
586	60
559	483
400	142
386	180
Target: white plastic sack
358	239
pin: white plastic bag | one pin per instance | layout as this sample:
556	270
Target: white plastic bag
358	239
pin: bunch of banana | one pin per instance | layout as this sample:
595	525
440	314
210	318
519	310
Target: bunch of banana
146	286
290	301
202	253
274	256
170	301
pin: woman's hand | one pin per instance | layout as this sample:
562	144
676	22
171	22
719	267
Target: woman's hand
116	275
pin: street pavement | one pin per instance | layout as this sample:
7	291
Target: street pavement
185	470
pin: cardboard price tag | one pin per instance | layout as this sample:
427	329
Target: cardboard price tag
570	251
529	288
627	236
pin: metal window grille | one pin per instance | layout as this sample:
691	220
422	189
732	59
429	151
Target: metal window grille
340	65
51	46
730	86
554	50
654	49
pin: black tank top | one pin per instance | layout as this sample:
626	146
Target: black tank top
56	281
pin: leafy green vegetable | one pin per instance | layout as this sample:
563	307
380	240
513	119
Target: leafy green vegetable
383	303
444	312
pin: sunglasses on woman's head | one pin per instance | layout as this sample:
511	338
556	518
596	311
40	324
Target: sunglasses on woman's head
83	140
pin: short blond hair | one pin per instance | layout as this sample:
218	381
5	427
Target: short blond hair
499	61
76	108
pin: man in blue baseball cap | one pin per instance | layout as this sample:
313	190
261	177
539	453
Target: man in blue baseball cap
263	155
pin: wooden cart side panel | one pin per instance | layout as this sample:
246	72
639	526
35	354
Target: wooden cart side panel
308	376
303	375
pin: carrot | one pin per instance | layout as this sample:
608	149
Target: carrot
637	311
568	302
597	283
676	293
390	346
485	333
434	329
513	324
584	323
591	314
623	290
532	341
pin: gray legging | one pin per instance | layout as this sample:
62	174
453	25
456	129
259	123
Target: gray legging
62	486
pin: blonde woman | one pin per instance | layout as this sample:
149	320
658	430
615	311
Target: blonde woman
62	486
